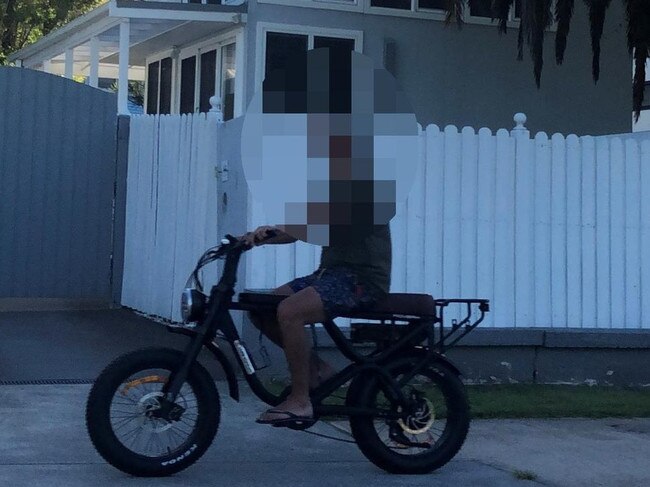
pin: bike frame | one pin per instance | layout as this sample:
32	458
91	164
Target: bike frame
218	319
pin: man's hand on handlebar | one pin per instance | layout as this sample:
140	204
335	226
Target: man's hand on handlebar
266	234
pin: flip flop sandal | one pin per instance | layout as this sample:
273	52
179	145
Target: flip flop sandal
292	421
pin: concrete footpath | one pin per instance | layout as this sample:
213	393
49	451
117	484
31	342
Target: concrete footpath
43	442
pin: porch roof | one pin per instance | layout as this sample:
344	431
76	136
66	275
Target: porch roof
154	26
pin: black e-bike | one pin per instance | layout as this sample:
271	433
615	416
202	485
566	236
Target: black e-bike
155	411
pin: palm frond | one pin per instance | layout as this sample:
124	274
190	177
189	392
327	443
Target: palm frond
542	21
638	41
563	14
638	86
500	12
455	11
597	9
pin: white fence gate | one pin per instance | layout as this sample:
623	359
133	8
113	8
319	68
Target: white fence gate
171	215
553	231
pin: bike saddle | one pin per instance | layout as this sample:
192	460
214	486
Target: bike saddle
403	304
393	304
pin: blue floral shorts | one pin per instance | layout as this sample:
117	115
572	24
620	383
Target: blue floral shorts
338	289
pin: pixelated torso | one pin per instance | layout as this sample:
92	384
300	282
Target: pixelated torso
370	258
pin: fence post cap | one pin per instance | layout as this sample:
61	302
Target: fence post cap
520	121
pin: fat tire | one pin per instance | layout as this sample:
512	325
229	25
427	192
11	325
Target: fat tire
378	453
98	413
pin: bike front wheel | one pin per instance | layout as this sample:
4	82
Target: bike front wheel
121	414
428	433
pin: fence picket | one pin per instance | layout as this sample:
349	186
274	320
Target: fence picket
485	215
558	230
645	236
603	235
433	217
617	238
504	231
542	235
633	196
468	218
574	232
589	308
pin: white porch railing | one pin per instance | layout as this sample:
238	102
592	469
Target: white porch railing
552	231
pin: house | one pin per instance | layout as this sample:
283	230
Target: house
186	51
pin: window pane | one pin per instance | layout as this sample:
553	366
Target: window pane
188	78
153	75
517	9
480	8
401	4
333	42
279	47
207	80
432	4
165	86
228	81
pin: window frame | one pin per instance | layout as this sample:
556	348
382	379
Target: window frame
231	36
196	50
309	31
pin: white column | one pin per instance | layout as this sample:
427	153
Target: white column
69	63
94	62
240	69
123	76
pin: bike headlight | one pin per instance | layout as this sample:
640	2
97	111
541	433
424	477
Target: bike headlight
192	305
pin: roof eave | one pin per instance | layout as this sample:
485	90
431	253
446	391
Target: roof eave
67	30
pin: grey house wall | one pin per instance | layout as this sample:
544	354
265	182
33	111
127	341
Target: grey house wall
471	77
57	175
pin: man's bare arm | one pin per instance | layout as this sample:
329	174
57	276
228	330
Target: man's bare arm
259	236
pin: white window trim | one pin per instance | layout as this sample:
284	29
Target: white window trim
363	6
309	31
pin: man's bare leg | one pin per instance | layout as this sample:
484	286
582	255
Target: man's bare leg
294	313
319	370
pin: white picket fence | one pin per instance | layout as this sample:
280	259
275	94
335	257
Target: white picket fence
553	231
171	215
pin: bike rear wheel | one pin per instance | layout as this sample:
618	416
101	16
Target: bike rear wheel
121	414
426	437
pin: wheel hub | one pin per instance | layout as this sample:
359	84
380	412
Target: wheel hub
420	420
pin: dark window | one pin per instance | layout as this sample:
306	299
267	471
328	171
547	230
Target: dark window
433	4
208	79
517	9
280	46
165	106
333	42
153	76
480	8
401	4
188	79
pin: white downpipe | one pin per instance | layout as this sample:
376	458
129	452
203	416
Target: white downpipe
123	76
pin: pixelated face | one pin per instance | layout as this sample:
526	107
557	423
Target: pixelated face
329	146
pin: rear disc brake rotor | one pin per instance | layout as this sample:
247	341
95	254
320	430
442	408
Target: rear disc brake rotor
421	420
